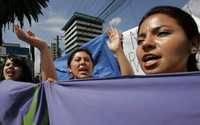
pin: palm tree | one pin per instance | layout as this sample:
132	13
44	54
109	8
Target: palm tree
11	10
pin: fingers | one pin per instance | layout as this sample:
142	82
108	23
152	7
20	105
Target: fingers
114	35
30	33
29	38
20	33
16	29
111	32
50	80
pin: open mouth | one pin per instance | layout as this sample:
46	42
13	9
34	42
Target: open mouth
150	61
10	72
83	70
150	57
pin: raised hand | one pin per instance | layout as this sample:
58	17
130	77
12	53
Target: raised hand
29	38
115	40
115	44
47	67
20	33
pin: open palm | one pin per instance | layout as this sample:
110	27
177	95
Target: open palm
115	40
29	37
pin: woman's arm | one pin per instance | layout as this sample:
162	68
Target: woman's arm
115	44
47	66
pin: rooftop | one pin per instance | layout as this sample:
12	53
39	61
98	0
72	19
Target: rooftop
81	16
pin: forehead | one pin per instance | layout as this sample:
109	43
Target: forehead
81	54
157	20
14	61
9	60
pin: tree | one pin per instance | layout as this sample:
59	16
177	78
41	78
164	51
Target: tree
11	10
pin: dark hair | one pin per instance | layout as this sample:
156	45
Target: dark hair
26	75
71	56
185	21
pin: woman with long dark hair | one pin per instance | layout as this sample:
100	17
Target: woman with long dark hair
168	41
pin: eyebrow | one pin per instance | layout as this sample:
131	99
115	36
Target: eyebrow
143	34
78	57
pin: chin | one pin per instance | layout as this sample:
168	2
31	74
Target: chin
158	71
153	71
11	79
84	77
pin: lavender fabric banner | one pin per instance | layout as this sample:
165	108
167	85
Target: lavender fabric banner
139	100
22	104
15	100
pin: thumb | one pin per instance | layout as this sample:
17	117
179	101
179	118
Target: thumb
16	27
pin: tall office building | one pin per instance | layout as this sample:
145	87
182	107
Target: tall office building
80	29
54	48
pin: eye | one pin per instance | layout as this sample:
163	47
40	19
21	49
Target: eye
87	59
77	59
16	65
140	41
163	33
7	64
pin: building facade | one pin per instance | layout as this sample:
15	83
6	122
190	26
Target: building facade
55	50
14	49
80	29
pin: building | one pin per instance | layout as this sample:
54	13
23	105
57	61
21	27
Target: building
80	29
15	49
54	48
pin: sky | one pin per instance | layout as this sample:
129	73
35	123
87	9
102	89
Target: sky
123	14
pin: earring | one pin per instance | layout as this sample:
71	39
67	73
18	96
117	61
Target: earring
198	56
194	50
71	76
198	59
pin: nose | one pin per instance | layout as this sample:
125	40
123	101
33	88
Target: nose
82	61
149	43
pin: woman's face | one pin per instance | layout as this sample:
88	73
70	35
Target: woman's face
11	71
81	65
162	45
